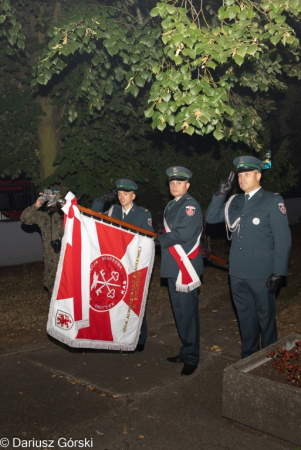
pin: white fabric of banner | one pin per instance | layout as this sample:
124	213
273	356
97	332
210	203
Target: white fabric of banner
101	284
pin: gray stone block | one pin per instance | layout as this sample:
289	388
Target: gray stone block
268	406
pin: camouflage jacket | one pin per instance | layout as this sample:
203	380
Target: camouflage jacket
51	226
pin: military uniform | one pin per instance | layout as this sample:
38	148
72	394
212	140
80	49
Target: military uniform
184	219
261	242
51	226
137	216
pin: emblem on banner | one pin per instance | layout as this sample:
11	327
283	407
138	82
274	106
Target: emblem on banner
108	282
282	208
190	211
63	320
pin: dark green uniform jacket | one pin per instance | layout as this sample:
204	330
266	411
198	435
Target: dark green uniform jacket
261	246
138	216
185	220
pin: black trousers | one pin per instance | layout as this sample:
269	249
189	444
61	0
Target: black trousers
143	331
256	314
186	313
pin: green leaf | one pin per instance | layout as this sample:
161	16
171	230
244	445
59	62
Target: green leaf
294	3
218	134
156	68
223	13
47	64
20	44
133	90
211	64
149	112
252	49
243	15
80	31
189	130
162	106
238	59
109	88
47	74
12	40
178	60
139	81
275	39
291	39
161	126
280	19
41	79
154	12
113	50
242	50
109	42
170	9
2	18
119	74
170	119
166	96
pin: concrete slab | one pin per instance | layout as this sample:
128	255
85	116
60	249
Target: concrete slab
116	373
269	406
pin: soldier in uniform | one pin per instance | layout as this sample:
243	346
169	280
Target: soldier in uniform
182	264
260	248
50	222
129	212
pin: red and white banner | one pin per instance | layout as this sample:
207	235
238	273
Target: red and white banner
101	284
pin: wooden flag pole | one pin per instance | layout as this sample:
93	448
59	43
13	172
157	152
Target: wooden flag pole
98	215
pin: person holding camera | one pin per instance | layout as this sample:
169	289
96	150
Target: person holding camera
49	218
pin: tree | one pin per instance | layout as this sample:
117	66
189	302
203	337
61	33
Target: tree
193	73
198	72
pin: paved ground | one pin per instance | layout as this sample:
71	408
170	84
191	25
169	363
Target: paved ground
126	401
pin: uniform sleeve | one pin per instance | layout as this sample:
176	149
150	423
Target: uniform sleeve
216	210
281	236
32	215
187	227
97	205
147	221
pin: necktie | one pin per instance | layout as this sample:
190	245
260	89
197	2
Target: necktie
247	196
172	204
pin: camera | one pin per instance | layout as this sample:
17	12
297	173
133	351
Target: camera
56	245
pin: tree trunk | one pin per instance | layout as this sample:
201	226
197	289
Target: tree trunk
49	142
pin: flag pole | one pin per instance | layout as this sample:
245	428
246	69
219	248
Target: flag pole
121	223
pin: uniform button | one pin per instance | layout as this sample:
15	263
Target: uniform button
241	226
242	215
239	248
240	237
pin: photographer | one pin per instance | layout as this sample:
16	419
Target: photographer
49	218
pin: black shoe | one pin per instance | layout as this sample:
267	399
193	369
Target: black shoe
140	348
188	369
175	359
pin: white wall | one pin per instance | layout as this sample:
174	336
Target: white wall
18	246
